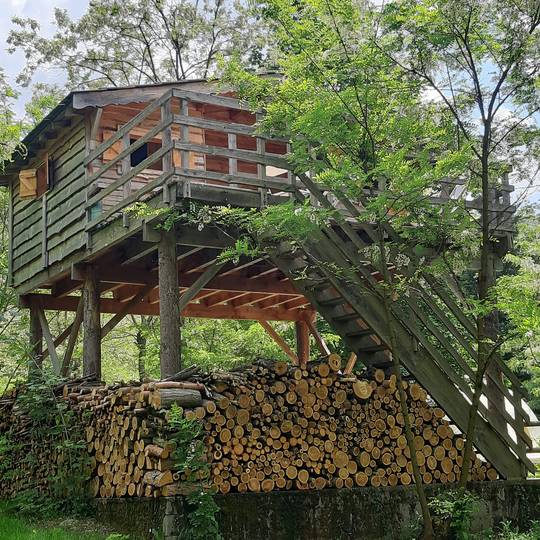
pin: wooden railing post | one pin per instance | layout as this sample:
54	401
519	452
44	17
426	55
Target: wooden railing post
169	312
166	141
35	341
91	325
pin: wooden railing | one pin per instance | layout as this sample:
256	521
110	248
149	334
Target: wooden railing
242	159
246	159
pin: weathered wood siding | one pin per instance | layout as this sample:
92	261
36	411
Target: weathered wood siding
47	229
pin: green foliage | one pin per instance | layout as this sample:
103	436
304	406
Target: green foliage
190	459
10	129
517	295
508	532
44	98
128	42
456	509
52	424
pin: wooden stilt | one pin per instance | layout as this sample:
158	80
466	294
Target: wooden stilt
280	341
74	332
302	342
36	341
49	340
169	311
323	347
91	325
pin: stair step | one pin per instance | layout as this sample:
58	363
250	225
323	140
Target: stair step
359	333
374	348
346	317
332	301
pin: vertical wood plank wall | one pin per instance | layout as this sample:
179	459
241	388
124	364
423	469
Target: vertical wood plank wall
64	215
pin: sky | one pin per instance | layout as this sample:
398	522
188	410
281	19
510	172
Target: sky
43	12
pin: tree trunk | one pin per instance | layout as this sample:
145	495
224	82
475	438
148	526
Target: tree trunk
36	343
486	324
140	340
169	313
427	533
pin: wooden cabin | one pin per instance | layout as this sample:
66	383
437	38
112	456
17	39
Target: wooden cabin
76	246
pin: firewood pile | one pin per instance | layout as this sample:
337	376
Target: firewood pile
268	426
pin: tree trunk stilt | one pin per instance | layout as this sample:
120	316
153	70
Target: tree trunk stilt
169	312
91	326
36	343
302	342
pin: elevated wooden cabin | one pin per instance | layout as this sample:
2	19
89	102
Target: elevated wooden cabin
75	246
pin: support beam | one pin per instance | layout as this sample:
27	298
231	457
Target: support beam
280	341
199	283
323	347
36	341
49	340
169	310
243	312
302	342
74	332
91	325
223	282
127	306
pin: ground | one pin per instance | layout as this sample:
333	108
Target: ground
13	527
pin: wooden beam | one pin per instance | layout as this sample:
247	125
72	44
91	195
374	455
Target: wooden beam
91	325
169	306
199	283
127	306
74	332
36	342
323	347
351	362
280	341
48	340
109	305
302	342
233	283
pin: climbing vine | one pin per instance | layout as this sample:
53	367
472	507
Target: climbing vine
190	461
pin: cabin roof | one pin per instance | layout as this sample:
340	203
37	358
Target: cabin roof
75	104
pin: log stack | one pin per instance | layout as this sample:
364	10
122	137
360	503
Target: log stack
268	426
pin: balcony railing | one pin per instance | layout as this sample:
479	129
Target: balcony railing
189	138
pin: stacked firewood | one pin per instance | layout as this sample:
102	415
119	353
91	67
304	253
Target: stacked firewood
266	426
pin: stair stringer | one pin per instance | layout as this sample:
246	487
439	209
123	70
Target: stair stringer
418	362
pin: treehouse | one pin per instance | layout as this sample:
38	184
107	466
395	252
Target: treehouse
77	245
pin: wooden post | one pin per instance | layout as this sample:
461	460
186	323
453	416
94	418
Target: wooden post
91	325
302	342
36	342
169	312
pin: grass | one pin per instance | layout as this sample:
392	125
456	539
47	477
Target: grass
15	528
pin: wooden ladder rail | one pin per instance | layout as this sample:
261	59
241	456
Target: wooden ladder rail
411	326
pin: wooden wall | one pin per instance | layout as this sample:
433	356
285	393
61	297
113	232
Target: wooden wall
47	229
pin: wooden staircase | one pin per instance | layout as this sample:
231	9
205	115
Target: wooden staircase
433	333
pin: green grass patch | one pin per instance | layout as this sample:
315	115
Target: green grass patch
13	527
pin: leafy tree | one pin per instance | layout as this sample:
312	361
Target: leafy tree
119	43
480	60
517	294
10	129
44	98
362	128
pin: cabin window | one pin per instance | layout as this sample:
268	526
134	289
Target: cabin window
144	151
33	183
